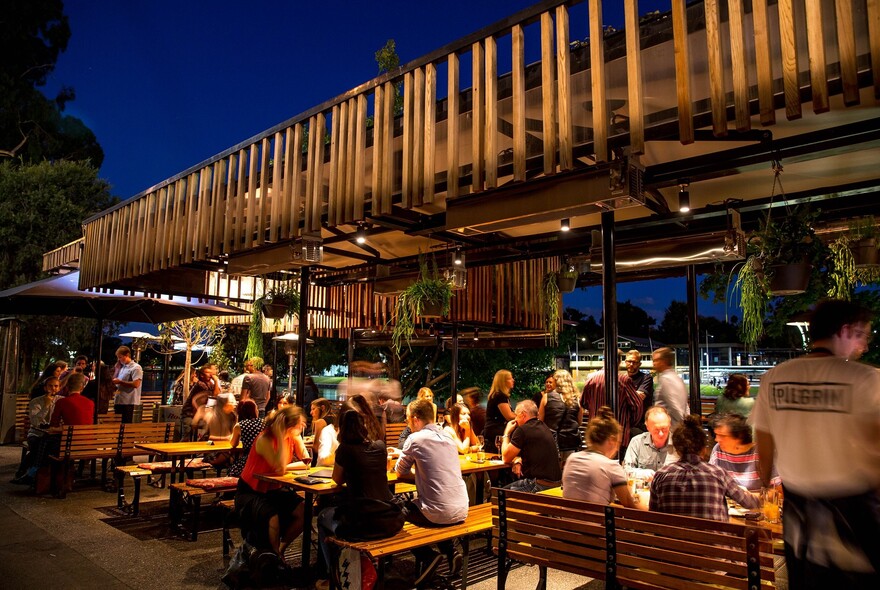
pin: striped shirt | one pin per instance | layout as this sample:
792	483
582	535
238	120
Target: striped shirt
743	468
690	487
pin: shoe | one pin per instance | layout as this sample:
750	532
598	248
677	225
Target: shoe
429	570
24	480
454	562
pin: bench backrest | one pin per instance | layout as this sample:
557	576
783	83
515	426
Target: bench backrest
144	432
22	417
560	534
629	547
89	440
392	433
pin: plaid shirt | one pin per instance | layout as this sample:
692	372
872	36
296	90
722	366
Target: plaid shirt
691	487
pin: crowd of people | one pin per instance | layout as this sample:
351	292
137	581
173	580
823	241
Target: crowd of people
812	430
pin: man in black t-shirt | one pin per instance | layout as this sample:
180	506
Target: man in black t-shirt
528	444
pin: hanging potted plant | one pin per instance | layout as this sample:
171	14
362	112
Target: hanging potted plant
863	237
566	279
790	250
429	296
280	302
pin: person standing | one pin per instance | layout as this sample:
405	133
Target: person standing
560	411
441	493
819	416
642	380
629	403
127	377
498	410
256	385
671	391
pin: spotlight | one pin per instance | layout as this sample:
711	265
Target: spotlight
361	235
458	258
684	198
565	225
476	333
431	331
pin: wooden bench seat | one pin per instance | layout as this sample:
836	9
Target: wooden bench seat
627	547
185	496
86	442
392	433
479	520
131	435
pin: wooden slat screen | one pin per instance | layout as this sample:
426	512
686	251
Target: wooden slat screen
291	179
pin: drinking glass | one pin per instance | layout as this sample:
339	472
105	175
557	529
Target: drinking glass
481	456
770	498
498	440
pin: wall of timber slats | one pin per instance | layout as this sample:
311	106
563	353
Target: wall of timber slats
354	156
67	255
503	295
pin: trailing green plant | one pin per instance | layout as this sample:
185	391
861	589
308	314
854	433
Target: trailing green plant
550	306
842	272
753	301
863	228
255	333
430	288
285	295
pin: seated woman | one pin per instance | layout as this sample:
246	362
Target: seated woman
324	431
736	453
735	398
366	511
220	419
595	475
459	429
245	432
692	487
271	515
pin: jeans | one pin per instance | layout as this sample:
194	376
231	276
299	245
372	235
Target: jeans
327	525
526	484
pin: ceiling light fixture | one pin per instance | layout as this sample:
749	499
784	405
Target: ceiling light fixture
361	235
684	197
458	257
565	225
476	334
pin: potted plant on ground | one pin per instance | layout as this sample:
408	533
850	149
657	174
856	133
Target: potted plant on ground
429	296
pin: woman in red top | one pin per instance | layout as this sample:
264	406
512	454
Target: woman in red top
271	516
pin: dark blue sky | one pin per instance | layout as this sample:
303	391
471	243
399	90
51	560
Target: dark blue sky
165	85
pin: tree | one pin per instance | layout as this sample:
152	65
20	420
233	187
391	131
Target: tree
33	127
632	320
42	207
193	333
388	60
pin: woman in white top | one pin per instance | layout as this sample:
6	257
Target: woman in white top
459	429
325	443
595	475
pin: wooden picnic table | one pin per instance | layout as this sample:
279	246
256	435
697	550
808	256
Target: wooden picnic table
179	451
327	486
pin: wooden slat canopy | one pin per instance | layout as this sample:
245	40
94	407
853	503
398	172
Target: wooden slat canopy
357	160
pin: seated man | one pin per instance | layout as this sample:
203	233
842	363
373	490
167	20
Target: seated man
650	450
442	496
736	452
529	445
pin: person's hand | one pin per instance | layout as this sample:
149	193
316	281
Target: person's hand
509	428
517	468
117	381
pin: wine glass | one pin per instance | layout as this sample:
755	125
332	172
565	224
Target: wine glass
481	456
498	440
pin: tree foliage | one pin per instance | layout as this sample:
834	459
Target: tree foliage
193	333
33	127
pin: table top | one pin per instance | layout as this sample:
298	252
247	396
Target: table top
185	448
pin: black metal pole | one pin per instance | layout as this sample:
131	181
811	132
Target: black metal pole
303	335
609	309
454	381
98	367
693	339
166	365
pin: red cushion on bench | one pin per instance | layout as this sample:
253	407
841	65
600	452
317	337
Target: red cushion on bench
156	466
212	483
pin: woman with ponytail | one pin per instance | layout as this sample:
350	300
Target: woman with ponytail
271	516
595	475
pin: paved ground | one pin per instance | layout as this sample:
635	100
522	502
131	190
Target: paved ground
83	542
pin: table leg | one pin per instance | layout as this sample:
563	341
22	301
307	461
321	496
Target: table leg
307	532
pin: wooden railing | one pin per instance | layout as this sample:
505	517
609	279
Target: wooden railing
354	157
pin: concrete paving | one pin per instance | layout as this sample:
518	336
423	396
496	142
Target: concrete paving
83	542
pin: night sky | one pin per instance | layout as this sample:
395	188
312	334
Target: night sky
165	85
